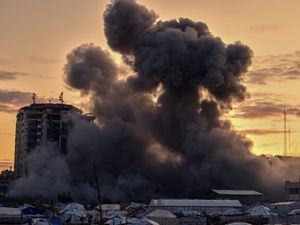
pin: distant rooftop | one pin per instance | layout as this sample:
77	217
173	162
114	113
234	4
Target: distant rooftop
195	203
42	106
236	192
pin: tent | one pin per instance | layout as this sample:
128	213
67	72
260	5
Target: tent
190	213
294	212
231	212
8	212
30	210
260	211
74	213
163	217
74	207
161	213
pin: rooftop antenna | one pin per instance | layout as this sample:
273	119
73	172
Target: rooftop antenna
34	97
285	153
61	97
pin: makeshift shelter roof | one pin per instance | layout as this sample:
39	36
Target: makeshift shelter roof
161	213
30	210
74	207
261	211
190	213
231	211
7	211
236	192
152	222
195	203
294	212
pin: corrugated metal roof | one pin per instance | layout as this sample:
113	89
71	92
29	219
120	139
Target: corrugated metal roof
236	192
195	203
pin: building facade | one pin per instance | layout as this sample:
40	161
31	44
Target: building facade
6	177
292	191
39	124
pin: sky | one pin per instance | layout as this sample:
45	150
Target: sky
36	36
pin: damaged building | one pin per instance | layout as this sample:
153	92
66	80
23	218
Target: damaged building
39	124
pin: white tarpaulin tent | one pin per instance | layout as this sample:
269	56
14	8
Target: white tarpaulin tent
74	213
294	212
161	213
74	207
7	212
259	211
163	217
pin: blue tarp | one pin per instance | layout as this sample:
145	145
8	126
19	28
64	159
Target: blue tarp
31	211
55	220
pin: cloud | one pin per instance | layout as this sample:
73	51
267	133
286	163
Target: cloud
5	62
274	68
259	28
14	97
261	131
43	60
7	75
13	75
265	109
11	101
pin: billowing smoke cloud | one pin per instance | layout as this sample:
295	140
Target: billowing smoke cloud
52	179
161	130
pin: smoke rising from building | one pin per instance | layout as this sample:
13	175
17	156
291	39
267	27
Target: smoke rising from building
161	128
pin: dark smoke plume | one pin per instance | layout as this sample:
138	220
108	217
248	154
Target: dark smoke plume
160	128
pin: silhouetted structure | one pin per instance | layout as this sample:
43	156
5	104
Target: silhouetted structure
38	124
247	197
6	178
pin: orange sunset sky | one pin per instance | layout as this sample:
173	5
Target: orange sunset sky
36	36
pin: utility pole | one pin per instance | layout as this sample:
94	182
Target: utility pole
289	132
99	192
285	153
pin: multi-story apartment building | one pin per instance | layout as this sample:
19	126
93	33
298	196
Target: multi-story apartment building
39	124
